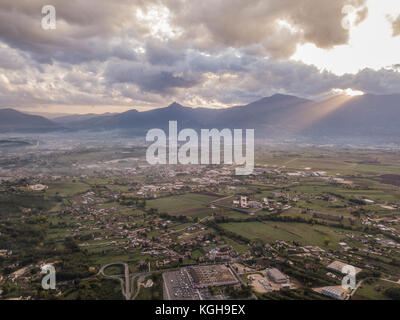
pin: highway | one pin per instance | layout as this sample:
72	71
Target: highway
125	283
127	280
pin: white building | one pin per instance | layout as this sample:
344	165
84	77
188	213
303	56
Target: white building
276	276
334	292
244	201
38	187
340	267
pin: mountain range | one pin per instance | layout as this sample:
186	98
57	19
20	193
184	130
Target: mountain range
14	121
367	117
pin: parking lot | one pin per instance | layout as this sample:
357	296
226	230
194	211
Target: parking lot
177	286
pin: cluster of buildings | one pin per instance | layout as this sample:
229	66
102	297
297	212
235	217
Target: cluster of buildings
244	202
384	224
268	280
338	270
226	253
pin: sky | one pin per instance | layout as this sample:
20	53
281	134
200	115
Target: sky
112	56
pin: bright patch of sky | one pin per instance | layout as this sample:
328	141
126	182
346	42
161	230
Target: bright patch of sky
371	44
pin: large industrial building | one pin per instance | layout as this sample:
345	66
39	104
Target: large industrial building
192	283
339	267
276	276
216	275
334	292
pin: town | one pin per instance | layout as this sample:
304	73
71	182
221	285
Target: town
116	227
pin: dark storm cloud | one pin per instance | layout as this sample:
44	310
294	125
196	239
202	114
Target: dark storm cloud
160	53
84	29
151	78
227	60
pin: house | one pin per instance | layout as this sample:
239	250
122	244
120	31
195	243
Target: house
344	246
149	283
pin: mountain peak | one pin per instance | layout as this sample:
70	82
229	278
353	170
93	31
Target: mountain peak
279	96
12	121
175	105
9	110
276	97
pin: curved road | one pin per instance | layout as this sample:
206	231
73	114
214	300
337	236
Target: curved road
127	280
124	282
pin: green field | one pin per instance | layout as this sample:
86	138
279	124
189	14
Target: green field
67	188
188	204
114	270
373	290
300	232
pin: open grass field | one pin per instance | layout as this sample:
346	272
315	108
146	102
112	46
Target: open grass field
114	270
239	248
188	204
337	161
67	188
299	232
373	290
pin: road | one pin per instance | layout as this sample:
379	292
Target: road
127	280
355	289
195	224
140	281
253	296
125	283
128	284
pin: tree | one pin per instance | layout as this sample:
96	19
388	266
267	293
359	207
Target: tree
393	293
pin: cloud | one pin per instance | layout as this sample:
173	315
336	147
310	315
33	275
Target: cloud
86	30
91	29
10	59
151	78
197	80
277	25
147	53
160	53
396	26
